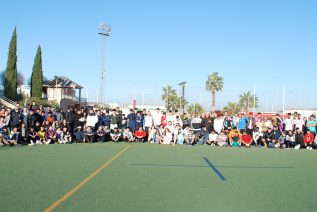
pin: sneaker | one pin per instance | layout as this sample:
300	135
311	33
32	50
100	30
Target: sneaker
308	147
31	144
297	147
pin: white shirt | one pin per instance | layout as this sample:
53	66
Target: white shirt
299	123
148	121
157	116
92	121
213	137
289	124
170	118
218	125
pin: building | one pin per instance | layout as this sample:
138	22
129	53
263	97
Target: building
61	88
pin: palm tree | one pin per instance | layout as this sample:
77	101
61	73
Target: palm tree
169	95
232	108
195	109
181	103
214	83
247	101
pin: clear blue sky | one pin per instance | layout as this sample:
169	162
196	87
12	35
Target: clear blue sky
154	43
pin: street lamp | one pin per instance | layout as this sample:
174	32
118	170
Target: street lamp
104	31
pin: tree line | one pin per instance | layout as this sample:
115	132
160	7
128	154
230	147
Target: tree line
11	78
213	84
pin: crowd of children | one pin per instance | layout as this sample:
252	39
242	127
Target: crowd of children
35	125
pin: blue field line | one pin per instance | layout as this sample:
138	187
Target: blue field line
215	169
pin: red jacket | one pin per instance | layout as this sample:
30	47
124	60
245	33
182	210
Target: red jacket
309	138
163	121
247	139
140	134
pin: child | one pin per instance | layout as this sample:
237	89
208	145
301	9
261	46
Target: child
5	138
167	136
50	135
115	135
282	141
140	135
33	138
127	135
179	137
246	139
189	138
67	137
100	134
222	139
41	135
212	138
79	135
235	139
14	137
89	135
59	136
290	140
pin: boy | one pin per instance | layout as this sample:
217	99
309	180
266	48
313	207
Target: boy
115	135
140	135
127	135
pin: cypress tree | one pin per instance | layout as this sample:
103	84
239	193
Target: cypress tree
37	75
10	84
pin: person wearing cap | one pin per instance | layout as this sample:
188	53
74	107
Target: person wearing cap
308	140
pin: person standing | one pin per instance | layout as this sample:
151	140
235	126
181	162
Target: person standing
114	120
157	116
131	120
148	122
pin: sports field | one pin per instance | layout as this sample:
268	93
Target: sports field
148	177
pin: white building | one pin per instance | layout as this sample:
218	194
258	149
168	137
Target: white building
61	88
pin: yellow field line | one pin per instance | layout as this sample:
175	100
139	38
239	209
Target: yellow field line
82	183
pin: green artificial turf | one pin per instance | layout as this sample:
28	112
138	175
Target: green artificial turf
149	177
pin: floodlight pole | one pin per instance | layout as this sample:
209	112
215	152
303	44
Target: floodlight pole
104	32
182	95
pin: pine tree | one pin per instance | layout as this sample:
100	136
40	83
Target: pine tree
37	75
10	84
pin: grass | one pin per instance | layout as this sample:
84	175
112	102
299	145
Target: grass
157	178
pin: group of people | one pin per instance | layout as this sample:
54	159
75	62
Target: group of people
35	125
